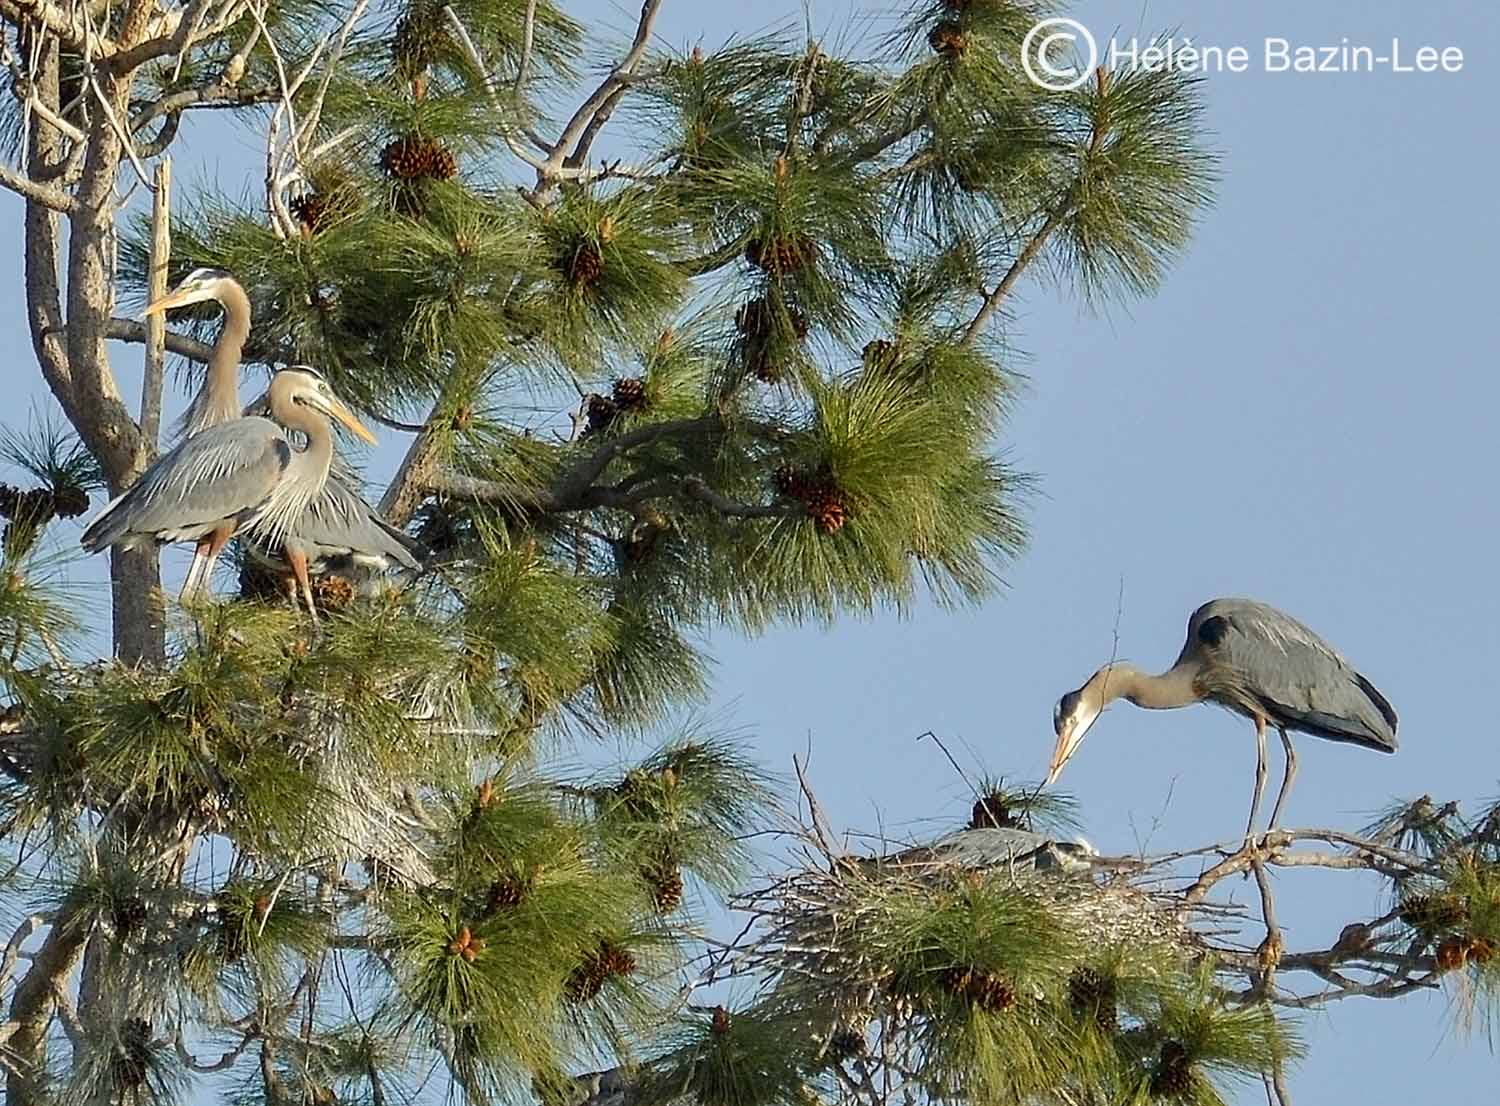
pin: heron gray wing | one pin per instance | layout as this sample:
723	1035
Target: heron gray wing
1297	678
216	475
338	522
992	847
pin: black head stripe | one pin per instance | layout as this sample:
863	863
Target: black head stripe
1213	630
1066	706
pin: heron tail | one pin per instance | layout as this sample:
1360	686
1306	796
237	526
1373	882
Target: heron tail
108	527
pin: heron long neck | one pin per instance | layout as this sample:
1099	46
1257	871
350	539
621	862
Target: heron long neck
306	473
311	463
1172	688
219	399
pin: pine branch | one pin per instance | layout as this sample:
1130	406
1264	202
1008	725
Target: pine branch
1022	262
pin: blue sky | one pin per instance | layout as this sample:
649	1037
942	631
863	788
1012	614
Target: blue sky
1304	414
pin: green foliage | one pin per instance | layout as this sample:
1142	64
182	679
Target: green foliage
690	804
1140	183
739	1058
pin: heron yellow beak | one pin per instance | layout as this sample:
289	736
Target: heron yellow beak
1070	733
337	409
1060	755
178	297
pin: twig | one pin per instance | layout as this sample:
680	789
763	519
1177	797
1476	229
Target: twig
820	824
156	325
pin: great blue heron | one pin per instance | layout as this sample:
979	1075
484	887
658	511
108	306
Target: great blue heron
241	476
338	525
1257	662
219	398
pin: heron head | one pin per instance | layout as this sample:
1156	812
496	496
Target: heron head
196	287
305	385
1075	713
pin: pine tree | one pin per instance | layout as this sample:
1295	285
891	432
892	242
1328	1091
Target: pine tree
744	369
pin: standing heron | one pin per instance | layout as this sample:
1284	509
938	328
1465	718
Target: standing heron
241	476
219	398
1257	662
338	526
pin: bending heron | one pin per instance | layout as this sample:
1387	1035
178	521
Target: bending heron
241	476
338	525
1257	662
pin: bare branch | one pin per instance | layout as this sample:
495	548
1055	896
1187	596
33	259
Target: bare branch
48	197
528	36
695	488
156	325
616	81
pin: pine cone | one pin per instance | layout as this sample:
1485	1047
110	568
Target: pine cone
828	512
629	393
504	894
418	40
128	915
1452	954
413	157
720	1021
32	508
131	1060
980	988
332	593
992	811
1431	913
644	533
1353	938
818	492
782	256
313	210
1174	1072
948	40
588	979
69	501
583	265
601	412
846	1043
443	164
790	481
880	354
1091	994
466	945
616	959
758	318
665	878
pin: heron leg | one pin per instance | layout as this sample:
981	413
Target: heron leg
1286	781
190	584
298	560
1260	774
206	554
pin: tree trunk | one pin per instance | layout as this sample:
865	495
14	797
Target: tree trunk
136	606
107	426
